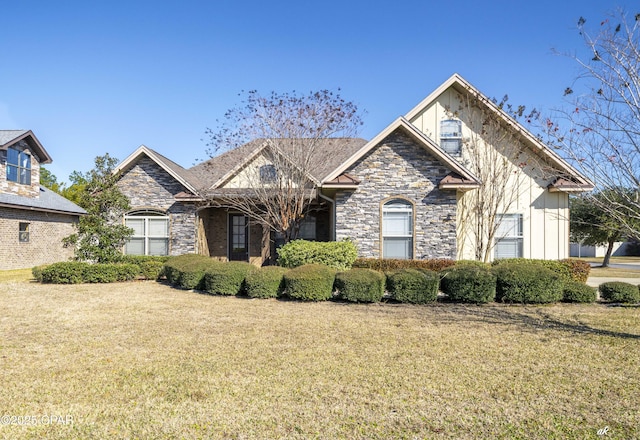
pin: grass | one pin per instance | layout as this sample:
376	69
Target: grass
143	360
15	275
613	272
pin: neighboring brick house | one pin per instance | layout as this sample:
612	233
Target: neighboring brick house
397	195
33	219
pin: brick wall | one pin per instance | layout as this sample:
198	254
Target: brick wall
398	168
46	231
148	186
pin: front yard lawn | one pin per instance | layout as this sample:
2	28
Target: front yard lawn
143	360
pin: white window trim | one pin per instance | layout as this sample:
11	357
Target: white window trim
516	236
151	215
457	136
402	206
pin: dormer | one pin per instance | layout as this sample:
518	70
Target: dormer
21	155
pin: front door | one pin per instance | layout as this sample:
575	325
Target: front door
238	237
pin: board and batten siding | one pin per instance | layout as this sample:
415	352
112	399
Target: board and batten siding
545	215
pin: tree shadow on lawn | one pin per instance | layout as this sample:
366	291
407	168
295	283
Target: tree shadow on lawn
531	318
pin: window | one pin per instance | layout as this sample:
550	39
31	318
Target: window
308	228
509	236
451	136
18	166
267	173
397	229
150	233
23	234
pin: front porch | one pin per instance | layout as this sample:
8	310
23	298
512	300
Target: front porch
226	235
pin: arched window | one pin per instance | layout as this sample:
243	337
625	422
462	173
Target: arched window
150	233
397	229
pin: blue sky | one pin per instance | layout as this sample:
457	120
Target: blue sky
107	76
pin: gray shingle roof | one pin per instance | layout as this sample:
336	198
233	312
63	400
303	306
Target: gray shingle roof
48	201
7	136
333	152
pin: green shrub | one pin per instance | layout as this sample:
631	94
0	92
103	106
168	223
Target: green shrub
109	272
360	285
150	270
413	286
337	254
519	282
618	291
311	282
265	282
569	268
579	269
74	272
226	278
469	283
393	264
575	291
187	271
37	272
553	265
69	272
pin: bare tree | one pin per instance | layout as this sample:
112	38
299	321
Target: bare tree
600	132
291	133
495	152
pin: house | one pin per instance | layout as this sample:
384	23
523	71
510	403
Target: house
406	193
33	219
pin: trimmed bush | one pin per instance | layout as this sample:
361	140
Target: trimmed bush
337	254
393	264
518	282
360	285
265	282
413	286
618	291
578	292
469	283
579	269
187	271
69	272
75	272
569	268
37	272
226	278
150	270
311	282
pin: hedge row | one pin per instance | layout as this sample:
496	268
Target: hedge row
390	264
75	272
147	267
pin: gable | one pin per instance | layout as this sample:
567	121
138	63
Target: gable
445	103
148	184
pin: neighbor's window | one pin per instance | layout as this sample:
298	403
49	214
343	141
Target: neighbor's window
267	173
18	166
451	136
509	236
150	233
23	232
397	229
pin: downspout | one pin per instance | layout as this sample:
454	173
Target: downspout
332	227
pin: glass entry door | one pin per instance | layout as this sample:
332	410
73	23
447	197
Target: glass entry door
238	237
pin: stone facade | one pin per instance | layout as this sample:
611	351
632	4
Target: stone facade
19	189
148	186
44	245
398	168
